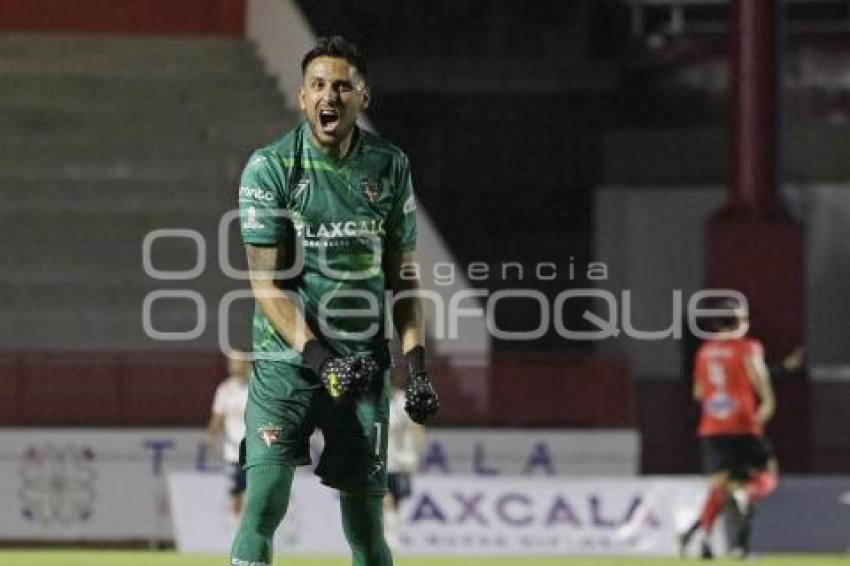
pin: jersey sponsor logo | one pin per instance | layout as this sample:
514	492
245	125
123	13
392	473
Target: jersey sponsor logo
721	406
409	205
255	193
251	222
349	229
370	189
270	433
256	160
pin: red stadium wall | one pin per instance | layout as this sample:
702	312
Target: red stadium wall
95	389
156	17
176	389
537	391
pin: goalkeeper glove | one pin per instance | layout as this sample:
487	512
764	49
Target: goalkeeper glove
420	398
341	375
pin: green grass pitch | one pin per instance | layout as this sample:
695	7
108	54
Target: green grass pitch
142	558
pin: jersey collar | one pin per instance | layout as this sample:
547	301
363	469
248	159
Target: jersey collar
318	154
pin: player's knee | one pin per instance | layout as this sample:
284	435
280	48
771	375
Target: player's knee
771	481
764	483
719	481
267	498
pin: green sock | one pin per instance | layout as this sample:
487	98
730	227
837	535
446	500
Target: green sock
363	525
266	500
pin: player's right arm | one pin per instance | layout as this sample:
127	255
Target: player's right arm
340	375
697	390
215	426
279	308
760	380
266	226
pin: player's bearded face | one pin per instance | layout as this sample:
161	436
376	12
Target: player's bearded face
332	97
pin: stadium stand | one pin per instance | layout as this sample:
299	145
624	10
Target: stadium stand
106	138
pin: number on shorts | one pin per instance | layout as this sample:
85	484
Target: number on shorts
377	439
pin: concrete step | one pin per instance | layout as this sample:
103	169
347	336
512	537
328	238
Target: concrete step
91	242
168	118
147	167
116	128
106	262
115	196
247	102
115	87
60	54
74	160
14	147
128	295
245	137
45	45
129	149
104	329
118	113
45	258
89	225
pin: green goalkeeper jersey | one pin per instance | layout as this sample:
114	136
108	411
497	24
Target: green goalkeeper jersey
334	219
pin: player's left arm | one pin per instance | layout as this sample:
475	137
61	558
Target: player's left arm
215	426
403	280
697	389
420	399
760	379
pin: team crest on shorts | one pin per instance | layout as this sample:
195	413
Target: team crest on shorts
270	433
377	466
370	190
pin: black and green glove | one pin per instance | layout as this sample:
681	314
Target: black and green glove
420	397
342	376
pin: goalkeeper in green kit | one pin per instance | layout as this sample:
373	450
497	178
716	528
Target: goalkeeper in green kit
328	218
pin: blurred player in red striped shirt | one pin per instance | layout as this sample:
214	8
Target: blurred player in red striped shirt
732	385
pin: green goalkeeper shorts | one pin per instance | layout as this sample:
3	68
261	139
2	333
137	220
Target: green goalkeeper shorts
286	404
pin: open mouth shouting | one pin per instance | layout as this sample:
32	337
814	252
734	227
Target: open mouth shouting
329	119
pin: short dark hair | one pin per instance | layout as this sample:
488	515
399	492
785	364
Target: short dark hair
335	46
718	323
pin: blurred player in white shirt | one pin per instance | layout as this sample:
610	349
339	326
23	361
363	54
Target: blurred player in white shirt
404	443
228	422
